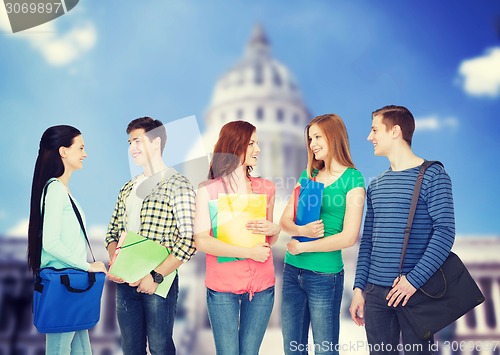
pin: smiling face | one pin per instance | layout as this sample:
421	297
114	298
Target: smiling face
252	152
140	147
380	136
73	155
318	143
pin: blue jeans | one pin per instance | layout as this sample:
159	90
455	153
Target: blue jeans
239	324
142	316
74	343
384	325
311	298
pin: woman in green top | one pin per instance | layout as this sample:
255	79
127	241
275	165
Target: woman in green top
313	277
61	153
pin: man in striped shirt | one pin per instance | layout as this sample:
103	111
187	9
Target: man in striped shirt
378	292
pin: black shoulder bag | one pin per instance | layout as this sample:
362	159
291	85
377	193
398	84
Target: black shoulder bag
448	294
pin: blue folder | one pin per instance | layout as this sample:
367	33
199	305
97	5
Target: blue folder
307	205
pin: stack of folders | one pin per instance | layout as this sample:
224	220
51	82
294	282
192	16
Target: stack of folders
307	205
136	256
229	215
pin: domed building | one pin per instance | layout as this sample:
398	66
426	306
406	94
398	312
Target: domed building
261	90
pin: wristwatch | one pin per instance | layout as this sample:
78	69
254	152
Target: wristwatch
157	277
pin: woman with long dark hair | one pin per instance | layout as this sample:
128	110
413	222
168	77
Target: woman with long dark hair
62	242
240	293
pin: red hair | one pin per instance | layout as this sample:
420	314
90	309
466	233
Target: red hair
230	149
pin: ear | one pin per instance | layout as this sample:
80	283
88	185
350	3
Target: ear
62	152
157	143
396	131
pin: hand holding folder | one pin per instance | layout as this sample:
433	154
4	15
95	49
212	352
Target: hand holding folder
307	205
233	213
229	215
136	256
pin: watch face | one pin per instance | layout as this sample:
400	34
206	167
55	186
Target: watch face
157	277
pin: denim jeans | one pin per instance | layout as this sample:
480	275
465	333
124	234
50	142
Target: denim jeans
311	298
384	326
142	316
74	343
239	324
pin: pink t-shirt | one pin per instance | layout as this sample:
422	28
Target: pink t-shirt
242	275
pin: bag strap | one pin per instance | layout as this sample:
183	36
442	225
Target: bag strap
413	208
66	282
78	216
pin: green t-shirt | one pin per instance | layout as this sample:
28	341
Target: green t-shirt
332	213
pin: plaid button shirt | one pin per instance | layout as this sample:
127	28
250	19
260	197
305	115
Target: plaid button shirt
167	216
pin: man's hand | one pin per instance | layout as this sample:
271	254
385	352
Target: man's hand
357	307
401	290
146	285
115	279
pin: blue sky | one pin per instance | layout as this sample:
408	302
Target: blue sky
107	62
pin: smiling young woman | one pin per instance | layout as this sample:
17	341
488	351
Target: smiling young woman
313	276
240	293
62	244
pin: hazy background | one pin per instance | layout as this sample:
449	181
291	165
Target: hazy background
107	62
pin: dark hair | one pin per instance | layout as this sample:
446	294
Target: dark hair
393	115
231	146
152	129
48	165
335	134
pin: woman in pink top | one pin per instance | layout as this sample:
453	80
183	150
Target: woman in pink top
240	293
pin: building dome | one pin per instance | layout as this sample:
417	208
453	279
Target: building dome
257	76
261	90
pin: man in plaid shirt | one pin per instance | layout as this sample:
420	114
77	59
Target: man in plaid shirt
158	204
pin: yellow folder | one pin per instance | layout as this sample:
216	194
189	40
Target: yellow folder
136	256
233	213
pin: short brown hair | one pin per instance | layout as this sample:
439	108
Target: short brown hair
393	115
152	129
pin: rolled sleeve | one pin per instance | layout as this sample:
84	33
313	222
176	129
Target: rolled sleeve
116	226
183	209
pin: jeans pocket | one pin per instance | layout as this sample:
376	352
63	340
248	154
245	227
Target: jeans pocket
369	287
329	274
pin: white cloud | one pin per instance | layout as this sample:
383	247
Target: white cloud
62	49
58	49
481	75
434	123
19	230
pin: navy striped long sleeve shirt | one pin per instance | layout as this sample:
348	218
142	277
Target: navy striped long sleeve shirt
432	235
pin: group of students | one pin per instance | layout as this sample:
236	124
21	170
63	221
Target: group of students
161	204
